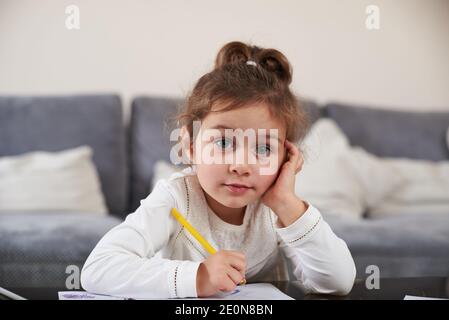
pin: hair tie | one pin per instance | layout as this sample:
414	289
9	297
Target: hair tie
251	63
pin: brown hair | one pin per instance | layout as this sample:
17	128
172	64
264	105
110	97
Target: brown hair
235	83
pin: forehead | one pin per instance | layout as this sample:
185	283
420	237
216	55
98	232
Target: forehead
253	116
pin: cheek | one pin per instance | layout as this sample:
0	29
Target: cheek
209	174
210	155
265	181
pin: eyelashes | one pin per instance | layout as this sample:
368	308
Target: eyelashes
266	148
224	143
227	144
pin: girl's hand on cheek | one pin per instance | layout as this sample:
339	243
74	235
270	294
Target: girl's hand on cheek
284	186
280	197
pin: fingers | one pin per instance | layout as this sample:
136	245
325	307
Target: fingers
237	260
235	267
228	283
238	264
295	156
235	275
300	162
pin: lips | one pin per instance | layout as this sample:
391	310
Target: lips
237	185
237	188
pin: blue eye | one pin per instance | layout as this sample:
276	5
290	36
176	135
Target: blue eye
223	143
263	150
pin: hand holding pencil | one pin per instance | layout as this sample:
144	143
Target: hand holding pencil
221	271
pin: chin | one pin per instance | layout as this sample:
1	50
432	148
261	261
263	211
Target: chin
234	203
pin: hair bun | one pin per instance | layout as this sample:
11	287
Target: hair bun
274	61
232	52
269	59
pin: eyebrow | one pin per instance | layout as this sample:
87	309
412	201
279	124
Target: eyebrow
221	127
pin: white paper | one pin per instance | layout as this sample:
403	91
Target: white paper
407	297
83	295
253	291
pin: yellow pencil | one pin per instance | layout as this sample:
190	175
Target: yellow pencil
195	233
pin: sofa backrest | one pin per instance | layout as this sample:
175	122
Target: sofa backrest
61	122
396	134
149	141
54	123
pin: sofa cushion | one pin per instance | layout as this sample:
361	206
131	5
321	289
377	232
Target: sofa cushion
409	245
387	133
37	248
54	123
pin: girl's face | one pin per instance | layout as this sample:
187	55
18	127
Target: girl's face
238	171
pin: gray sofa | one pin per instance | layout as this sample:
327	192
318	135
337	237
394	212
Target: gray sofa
36	248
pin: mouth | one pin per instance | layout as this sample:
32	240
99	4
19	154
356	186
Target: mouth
237	188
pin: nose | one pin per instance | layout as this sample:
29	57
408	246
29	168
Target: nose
240	169
240	165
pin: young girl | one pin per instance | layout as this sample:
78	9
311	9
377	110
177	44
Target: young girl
253	218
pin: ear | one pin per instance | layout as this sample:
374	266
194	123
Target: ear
187	145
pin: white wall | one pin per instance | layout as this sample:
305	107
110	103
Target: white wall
162	47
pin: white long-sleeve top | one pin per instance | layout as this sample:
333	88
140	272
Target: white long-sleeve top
150	255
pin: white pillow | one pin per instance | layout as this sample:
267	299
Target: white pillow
338	179
322	180
51	181
426	189
376	177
